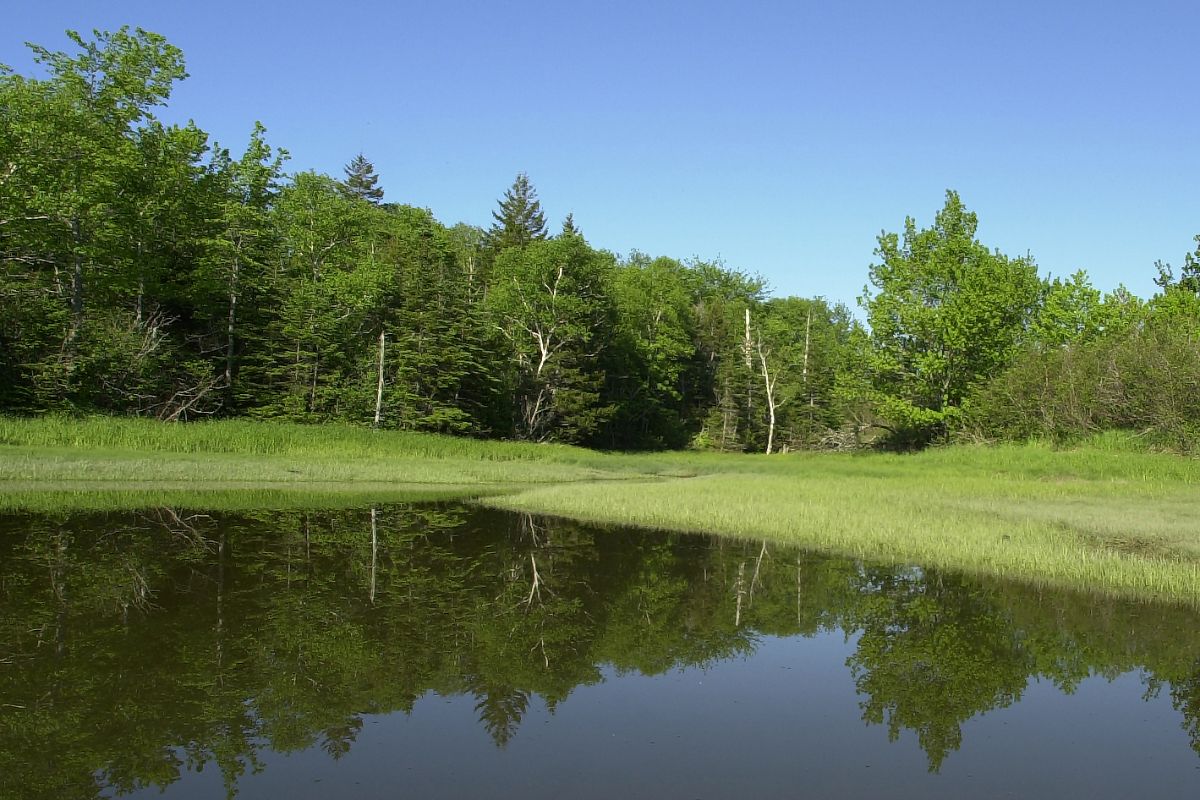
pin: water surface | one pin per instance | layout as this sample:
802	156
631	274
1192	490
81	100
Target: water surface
438	651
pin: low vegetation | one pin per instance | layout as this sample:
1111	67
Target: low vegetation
1106	515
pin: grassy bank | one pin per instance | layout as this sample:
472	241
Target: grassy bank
1101	517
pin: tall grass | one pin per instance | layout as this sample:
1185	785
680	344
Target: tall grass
262	438
42	499
1103	516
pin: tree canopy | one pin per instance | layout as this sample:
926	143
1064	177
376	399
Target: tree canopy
145	270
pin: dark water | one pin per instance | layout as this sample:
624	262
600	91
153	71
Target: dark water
443	652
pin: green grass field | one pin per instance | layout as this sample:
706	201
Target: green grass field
1104	517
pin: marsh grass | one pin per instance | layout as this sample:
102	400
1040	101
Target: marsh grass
72	496
1104	516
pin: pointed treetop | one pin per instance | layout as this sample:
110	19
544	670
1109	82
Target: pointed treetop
361	179
519	219
569	228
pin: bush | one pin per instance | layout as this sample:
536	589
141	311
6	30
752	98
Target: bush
1145	380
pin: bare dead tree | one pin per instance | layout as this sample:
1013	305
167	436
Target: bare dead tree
773	403
379	383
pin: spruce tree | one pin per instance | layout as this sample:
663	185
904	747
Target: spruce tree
569	228
361	179
519	219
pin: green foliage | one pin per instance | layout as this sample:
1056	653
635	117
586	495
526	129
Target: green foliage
288	629
361	180
653	366
1189	275
232	287
519	219
90	184
1144	379
144	273
945	313
552	304
1068	313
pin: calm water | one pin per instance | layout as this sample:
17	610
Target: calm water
444	652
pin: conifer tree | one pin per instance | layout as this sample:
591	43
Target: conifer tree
519	219
361	180
569	228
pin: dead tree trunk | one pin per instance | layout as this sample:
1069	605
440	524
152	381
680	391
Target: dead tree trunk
807	339
231	326
379	384
374	550
772	403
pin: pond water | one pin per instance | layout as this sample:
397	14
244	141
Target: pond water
443	651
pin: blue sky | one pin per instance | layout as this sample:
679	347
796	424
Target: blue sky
781	137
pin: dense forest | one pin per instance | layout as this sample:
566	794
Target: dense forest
145	270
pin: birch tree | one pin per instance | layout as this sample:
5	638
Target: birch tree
550	302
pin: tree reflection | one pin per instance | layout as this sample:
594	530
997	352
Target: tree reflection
136	647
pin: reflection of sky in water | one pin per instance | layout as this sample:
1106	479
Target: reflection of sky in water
964	672
783	723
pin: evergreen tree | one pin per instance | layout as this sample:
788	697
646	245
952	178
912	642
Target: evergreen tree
519	220
569	228
361	180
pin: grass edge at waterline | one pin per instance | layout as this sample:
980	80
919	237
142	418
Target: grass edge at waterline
1102	518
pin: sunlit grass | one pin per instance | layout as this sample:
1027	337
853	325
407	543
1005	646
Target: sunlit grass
1105	516
231	496
1124	524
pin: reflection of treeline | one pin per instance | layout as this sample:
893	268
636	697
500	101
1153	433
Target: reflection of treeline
135	646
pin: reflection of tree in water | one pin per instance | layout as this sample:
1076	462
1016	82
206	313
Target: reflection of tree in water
336	740
282	630
1185	697
933	653
500	709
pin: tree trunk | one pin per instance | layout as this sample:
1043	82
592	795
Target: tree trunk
807	339
374	550
769	384
379	384
231	326
76	283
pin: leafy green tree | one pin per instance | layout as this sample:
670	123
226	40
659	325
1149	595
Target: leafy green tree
551	302
1068	311
722	299
330	279
232	285
89	193
801	346
469	245
653	354
945	313
361	180
519	219
1189	275
442	357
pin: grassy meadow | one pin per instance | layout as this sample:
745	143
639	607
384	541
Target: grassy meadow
1104	516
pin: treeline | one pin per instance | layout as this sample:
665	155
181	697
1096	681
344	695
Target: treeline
148	272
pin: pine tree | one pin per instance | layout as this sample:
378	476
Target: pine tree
361	179
519	220
569	228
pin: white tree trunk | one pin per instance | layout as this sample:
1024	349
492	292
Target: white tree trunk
379	384
769	384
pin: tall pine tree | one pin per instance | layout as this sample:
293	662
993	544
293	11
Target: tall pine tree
361	180
519	219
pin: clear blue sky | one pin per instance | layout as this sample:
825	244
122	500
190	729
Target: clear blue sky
779	136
